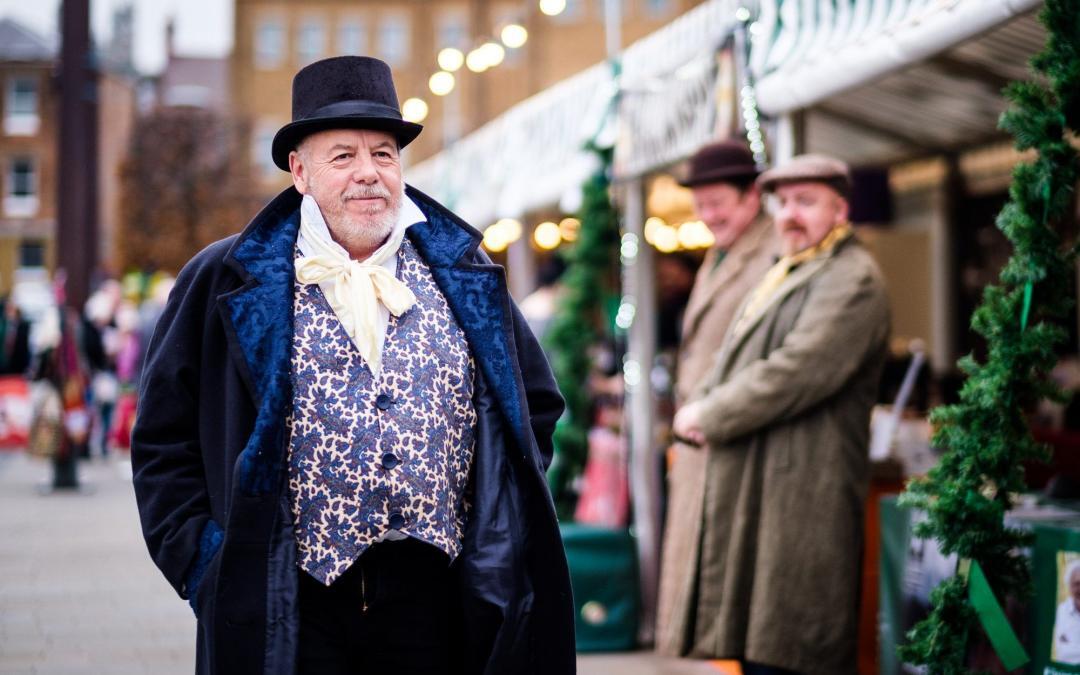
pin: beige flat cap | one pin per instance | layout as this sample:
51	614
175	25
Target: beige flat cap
802	168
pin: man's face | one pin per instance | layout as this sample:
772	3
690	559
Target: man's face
355	177
806	212
726	210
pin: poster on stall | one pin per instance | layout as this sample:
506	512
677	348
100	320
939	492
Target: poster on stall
1056	574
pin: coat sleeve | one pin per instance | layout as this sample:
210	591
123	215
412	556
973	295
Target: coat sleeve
541	393
169	478
842	326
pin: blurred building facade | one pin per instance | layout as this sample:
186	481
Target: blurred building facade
28	176
273	39
194	81
29	172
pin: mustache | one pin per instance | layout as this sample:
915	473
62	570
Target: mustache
367	192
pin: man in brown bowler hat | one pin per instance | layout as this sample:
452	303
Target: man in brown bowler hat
782	422
721	178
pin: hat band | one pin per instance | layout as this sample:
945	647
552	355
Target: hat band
353	109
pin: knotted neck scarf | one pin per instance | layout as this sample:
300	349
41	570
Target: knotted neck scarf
358	291
776	275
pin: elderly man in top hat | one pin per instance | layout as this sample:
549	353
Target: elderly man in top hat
721	179
782	421
344	424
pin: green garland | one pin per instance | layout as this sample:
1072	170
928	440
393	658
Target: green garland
580	322
985	435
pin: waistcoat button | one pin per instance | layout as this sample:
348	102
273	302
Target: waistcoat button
383	401
397	521
390	460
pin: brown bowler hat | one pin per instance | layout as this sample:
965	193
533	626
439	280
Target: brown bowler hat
808	168
719	162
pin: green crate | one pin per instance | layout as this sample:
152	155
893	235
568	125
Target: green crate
604	574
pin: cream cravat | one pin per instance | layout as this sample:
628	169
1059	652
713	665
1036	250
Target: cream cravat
356	289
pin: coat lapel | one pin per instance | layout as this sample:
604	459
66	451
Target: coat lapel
477	295
258	321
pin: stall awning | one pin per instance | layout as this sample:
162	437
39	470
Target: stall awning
533	155
806	51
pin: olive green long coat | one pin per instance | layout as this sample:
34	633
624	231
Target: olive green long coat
768	550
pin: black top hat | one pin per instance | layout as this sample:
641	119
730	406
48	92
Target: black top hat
344	92
718	163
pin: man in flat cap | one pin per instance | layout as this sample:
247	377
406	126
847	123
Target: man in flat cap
782	420
344	424
721	178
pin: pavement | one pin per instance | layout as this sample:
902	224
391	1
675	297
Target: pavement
79	594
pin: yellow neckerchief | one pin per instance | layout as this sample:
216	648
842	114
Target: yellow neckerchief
776	275
358	287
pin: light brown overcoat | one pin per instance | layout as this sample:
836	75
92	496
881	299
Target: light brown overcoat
718	291
772	570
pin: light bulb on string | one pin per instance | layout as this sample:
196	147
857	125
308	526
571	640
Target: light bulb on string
514	35
552	7
414	110
451	59
493	53
441	83
476	60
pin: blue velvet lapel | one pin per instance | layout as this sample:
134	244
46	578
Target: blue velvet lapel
258	319
477	295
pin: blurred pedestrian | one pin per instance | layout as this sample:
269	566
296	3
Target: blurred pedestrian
721	177
14	339
783	423
344	424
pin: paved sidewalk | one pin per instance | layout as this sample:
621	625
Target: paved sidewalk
79	594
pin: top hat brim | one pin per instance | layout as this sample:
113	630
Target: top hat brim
719	175
290	135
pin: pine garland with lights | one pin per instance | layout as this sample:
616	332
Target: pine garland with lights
985	436
579	324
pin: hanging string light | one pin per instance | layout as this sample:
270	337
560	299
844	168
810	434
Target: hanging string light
751	119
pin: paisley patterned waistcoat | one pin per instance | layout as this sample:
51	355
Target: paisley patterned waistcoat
371	455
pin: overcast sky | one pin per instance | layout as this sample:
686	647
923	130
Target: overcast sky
203	27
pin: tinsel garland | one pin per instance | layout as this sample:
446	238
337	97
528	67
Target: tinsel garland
579	324
986	436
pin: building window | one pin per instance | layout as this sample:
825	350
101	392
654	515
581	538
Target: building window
32	254
394	39
352	37
310	41
452	29
21	189
21	106
261	143
269	43
658	9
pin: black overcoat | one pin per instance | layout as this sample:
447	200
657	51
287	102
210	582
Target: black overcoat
209	454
